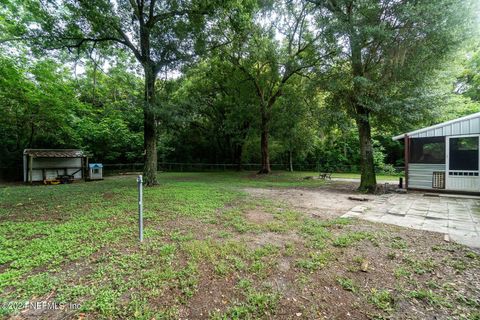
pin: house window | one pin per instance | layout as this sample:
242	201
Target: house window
96	171
463	153
427	150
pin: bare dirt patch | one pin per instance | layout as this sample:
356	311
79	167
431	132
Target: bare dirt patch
325	202
215	295
259	216
260	239
108	195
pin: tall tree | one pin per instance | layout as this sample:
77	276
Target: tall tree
387	49
468	79
110	124
38	106
270	52
161	35
216	97
295	124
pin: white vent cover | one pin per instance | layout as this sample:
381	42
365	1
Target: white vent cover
438	180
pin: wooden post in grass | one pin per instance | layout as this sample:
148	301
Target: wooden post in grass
140	207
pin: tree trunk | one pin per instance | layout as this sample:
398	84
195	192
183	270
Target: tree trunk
290	160
150	130
32	133
238	146
237	156
368	181
264	144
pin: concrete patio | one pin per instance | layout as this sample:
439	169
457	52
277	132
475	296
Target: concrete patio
456	216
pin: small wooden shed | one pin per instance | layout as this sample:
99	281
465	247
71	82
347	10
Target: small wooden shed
48	164
444	156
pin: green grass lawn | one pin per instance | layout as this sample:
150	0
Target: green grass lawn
213	251
284	178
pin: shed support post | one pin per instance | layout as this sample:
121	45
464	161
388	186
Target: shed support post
84	169
87	169
30	171
407	156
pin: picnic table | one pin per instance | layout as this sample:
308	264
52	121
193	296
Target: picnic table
325	175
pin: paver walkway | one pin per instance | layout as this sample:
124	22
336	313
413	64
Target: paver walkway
458	217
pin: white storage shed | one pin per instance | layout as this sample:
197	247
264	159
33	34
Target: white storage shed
49	164
444	156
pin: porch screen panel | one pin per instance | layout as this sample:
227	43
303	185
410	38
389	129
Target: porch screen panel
463	153
427	150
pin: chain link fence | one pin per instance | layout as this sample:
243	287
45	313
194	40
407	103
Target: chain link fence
109	169
9	174
112	169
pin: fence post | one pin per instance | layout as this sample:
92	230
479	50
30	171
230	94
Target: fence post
140	207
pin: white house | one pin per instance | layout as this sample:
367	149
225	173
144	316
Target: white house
444	156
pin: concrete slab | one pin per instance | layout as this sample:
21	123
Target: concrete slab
416	212
461	225
459	217
436	216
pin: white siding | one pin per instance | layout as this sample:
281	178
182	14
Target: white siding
57	163
475	125
447	131
463	183
420	175
460	127
55	167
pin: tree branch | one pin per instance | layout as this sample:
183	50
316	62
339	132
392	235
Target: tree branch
151	10
250	77
175	13
126	41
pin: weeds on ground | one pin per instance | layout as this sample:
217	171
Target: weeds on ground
347	284
257	304
382	299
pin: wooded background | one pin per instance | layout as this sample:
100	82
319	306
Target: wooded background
318	85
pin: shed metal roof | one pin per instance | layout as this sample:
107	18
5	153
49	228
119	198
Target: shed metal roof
465	125
54	153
